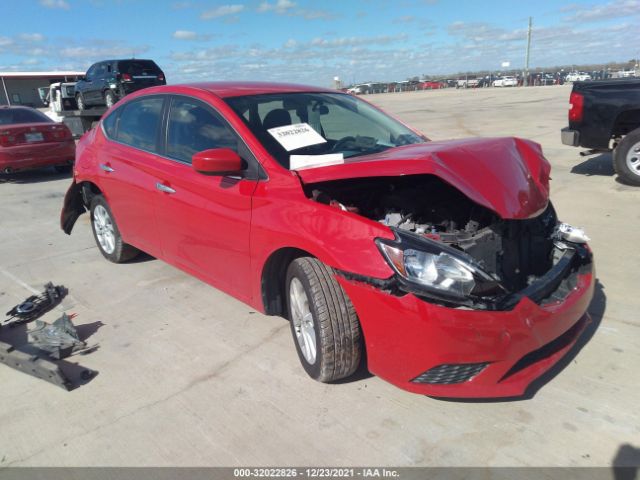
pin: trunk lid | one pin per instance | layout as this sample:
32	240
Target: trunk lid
33	133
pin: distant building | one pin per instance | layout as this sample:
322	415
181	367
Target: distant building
21	88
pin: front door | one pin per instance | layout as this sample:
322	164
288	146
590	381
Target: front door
203	221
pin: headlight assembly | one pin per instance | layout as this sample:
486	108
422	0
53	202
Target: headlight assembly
434	269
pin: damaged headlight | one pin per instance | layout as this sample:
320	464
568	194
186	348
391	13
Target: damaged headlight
427	265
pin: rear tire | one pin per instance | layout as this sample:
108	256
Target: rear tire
109	99
80	102
106	233
324	324
626	158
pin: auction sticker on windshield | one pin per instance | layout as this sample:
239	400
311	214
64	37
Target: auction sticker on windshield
299	162
292	137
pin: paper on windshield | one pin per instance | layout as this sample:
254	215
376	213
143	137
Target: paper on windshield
296	136
300	162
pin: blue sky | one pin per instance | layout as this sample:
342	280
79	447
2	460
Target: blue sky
312	41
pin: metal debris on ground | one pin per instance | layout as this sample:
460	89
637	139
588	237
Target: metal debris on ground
46	342
36	305
60	339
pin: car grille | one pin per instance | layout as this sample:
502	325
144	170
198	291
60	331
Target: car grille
450	373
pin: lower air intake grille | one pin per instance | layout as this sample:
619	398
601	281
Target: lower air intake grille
450	373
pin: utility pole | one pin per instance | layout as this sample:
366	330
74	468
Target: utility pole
525	80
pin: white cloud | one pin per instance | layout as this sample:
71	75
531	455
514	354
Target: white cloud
607	11
280	6
31	37
288	7
189	35
62	4
221	11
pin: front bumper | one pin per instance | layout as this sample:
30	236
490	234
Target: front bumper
409	340
37	155
570	137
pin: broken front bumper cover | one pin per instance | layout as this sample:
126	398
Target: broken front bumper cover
408	338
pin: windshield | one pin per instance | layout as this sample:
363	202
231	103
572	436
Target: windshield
307	129
138	67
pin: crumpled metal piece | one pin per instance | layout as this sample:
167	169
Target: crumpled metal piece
572	234
36	305
60	339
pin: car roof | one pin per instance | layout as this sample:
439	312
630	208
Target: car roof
237	89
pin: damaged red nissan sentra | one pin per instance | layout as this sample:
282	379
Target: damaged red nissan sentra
444	261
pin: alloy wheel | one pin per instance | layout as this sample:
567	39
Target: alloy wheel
103	226
302	319
633	159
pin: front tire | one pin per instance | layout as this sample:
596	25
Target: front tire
324	324
106	233
626	158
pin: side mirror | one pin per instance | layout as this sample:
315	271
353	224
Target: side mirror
217	161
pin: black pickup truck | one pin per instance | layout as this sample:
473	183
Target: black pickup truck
605	116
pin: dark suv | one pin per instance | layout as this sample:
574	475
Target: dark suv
108	81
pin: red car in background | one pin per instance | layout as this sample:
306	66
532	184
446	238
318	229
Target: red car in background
432	85
30	139
443	261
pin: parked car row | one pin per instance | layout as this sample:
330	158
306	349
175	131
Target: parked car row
404	86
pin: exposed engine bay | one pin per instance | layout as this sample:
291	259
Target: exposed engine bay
514	252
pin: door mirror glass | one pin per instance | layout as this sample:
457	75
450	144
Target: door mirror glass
217	161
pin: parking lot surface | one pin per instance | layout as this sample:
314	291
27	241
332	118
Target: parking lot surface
189	376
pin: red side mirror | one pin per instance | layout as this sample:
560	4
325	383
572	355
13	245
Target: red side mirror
217	161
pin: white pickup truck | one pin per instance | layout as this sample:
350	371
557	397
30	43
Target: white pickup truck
63	108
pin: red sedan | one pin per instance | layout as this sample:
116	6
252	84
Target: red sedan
432	85
30	139
444	261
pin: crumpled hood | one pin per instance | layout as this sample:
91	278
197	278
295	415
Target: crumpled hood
507	175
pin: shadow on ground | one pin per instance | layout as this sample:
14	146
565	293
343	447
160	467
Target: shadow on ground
626	463
599	165
596	311
34	176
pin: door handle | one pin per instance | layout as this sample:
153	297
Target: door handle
164	188
106	168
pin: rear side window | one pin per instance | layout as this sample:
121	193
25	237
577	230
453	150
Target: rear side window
109	124
194	127
139	123
10	116
138	67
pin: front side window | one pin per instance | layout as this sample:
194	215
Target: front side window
139	123
319	124
193	127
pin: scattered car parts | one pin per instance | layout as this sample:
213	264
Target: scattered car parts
36	305
46	342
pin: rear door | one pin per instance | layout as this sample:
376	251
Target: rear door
204	221
127	169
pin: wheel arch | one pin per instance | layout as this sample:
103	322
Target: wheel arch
272	279
626	122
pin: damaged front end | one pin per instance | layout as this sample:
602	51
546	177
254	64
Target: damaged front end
454	252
